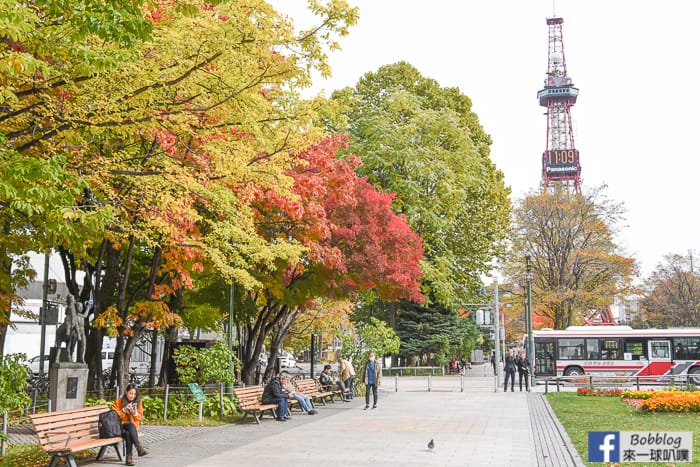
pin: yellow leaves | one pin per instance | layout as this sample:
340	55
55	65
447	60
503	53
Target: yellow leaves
154	314
109	320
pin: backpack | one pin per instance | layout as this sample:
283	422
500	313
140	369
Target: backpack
109	424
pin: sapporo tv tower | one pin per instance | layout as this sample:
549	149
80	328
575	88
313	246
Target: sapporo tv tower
560	161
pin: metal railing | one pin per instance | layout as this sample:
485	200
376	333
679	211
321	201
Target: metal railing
415	370
618	382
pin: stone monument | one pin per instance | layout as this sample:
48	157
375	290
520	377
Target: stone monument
69	373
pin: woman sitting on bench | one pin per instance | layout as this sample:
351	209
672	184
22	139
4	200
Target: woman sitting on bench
130	412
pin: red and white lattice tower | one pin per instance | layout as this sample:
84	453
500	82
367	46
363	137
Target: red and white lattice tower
560	161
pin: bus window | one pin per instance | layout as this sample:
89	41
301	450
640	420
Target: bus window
571	349
544	358
635	348
685	348
694	352
659	349
592	352
610	349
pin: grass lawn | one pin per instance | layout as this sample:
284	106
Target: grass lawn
580	414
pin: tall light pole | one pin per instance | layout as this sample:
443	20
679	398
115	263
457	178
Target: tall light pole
496	351
528	321
229	337
43	313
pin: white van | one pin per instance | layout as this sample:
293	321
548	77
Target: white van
287	360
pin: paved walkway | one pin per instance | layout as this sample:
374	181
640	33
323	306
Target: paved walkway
476	427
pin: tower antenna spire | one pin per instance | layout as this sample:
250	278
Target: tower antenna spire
560	160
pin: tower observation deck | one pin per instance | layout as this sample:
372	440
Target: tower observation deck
560	160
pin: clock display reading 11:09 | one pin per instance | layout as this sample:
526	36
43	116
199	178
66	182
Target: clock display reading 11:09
560	161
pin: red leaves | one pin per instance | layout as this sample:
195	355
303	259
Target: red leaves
355	240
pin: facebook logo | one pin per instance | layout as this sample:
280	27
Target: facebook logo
603	446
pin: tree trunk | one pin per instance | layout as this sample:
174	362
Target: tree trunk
129	347
118	366
154	359
3	333
266	320
170	337
6	304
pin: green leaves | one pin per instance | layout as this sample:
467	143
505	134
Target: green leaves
13	382
203	365
423	143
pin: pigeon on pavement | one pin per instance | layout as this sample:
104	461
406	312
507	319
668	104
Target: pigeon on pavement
431	445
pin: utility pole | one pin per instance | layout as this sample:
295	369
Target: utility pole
496	351
530	337
42	314
229	337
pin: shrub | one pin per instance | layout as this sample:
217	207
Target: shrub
153	407
211	407
13	382
203	365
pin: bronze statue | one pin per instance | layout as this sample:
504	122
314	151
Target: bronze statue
72	330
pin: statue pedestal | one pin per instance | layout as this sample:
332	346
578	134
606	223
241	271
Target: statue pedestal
68	385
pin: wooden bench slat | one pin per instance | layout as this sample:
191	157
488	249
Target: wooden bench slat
250	401
64	432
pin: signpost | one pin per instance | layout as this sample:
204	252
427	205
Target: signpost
198	396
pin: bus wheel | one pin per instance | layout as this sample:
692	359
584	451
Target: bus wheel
573	371
694	376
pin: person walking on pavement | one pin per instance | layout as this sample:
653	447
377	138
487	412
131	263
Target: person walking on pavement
523	365
509	370
347	376
130	411
372	377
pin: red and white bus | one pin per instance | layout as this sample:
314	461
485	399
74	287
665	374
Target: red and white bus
618	351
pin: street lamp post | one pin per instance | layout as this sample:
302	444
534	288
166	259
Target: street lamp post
528	321
496	350
229	337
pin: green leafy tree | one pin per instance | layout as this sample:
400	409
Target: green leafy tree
423	142
176	166
372	336
434	332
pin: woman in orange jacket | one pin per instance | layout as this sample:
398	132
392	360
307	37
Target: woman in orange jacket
130	411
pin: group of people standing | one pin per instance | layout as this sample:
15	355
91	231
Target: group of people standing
519	363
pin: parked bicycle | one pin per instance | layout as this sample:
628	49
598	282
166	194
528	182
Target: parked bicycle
38	383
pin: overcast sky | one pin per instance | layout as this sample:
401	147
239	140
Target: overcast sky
636	65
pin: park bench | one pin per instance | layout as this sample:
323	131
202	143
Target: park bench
310	388
65	432
250	401
331	392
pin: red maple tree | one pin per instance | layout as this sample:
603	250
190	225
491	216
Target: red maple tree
354	242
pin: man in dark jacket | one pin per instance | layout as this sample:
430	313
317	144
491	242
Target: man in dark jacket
509	371
372	377
275	393
523	365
